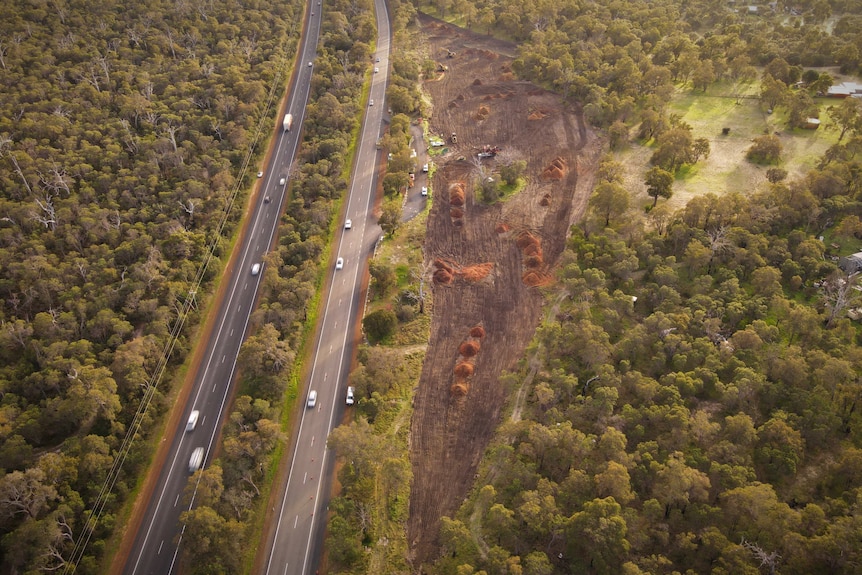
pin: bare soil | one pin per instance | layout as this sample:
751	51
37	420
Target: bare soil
488	261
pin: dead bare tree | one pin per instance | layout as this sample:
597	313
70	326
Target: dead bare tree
769	560
48	215
6	150
840	292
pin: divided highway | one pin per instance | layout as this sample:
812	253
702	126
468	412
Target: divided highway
159	536
295	544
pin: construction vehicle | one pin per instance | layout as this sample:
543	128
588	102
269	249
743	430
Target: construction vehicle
288	122
450	53
454	138
442	67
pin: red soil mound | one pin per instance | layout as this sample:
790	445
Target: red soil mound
501	228
456	198
464	370
456	213
477	272
477	331
469	348
442	277
526	239
459	389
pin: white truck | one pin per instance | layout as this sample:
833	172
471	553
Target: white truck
288	122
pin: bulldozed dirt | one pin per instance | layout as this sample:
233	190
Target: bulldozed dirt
487	260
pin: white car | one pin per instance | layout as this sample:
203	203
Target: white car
370	102
350	395
424	191
339	263
255	269
348	224
425	168
196	459
193	420
312	398
377	59
282	181
310	64
260	174
376	69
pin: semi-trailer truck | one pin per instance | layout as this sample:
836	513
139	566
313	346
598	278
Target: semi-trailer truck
288	122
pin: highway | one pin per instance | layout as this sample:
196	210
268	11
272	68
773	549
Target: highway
295	544
158	538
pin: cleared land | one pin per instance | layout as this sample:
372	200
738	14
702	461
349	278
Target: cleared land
487	261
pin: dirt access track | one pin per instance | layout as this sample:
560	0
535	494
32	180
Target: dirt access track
488	261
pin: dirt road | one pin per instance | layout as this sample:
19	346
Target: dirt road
489	261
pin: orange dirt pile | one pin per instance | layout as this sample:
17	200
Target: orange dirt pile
456	213
546	200
556	170
459	389
477	332
526	240
463	370
535	279
477	82
456	194
469	348
442	277
483	113
502	228
533	262
477	272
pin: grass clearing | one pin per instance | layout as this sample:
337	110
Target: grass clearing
738	108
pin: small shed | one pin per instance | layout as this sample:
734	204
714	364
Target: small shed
852	263
811	124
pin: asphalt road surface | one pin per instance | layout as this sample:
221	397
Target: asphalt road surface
295	544
159	536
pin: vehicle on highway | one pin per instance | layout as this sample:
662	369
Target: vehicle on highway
193	420
282	181
339	263
196	459
260	174
348	224
310	64
288	122
349	396
370	102
425	168
424	191
266	200
377	59
312	398
255	269
376	69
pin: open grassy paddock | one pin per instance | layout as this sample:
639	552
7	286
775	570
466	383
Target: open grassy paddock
738	108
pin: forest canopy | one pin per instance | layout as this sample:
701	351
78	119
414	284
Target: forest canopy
124	141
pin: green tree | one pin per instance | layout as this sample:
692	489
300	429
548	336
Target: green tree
845	116
596	537
765	150
390	217
659	183
609	200
380	324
